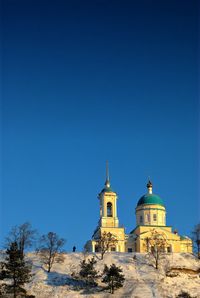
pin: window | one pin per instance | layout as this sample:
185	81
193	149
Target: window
154	217
113	248
96	248
130	250
148	218
140	218
109	209
168	249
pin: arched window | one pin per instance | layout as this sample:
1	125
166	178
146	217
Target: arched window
148	218
109	209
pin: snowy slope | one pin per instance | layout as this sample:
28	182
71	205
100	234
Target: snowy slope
142	280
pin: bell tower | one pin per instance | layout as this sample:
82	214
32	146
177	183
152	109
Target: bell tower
108	205
108	221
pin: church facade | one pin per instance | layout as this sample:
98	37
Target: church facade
150	217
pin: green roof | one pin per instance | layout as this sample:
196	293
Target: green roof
107	189
150	199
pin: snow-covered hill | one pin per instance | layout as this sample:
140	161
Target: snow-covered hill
178	272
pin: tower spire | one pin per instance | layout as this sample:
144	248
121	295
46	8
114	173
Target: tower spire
107	183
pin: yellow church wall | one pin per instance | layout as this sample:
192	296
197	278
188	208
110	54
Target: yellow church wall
117	232
176	246
127	242
146	232
173	241
109	222
119	235
141	229
186	246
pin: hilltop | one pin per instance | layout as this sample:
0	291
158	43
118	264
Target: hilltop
177	272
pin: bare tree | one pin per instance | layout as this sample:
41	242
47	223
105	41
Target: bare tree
196	238
156	245
49	249
105	242
24	235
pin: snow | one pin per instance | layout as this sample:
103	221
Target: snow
142	279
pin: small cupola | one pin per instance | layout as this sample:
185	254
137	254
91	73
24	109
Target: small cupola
150	187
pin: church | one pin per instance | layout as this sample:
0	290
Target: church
150	215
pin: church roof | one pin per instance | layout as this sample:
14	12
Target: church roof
107	189
150	199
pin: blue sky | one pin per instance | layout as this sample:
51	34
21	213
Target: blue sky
88	81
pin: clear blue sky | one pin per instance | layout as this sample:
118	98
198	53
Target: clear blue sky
88	81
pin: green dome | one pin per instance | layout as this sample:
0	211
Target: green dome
150	199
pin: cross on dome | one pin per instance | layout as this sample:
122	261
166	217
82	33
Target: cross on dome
149	187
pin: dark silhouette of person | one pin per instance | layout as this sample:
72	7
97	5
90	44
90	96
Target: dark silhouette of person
74	248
